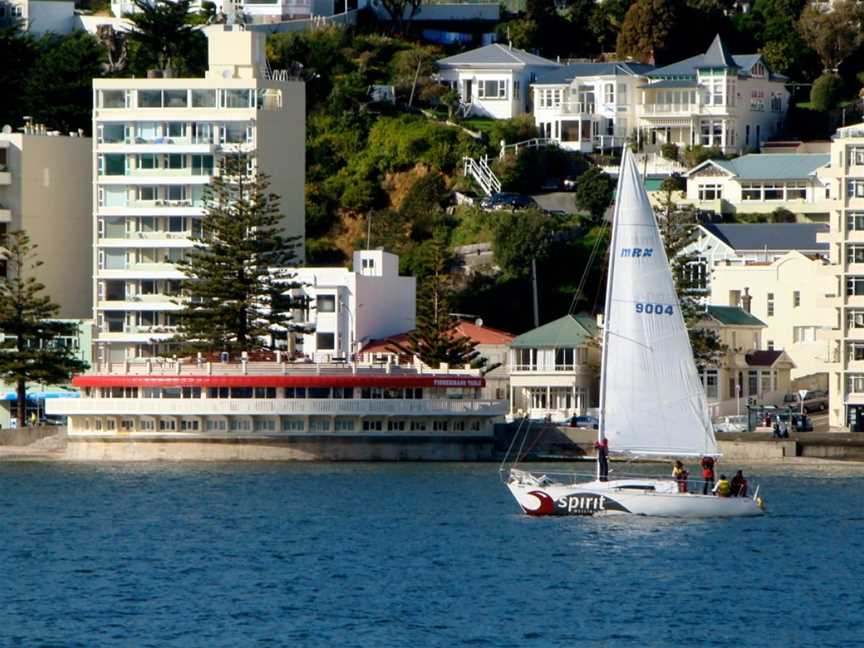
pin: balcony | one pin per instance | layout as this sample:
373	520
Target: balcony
276	406
672	109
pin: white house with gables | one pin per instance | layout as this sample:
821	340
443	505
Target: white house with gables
760	183
495	80
715	99
588	106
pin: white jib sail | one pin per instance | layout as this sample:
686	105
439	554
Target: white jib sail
652	401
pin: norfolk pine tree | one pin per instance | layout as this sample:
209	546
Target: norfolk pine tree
29	352
677	228
434	340
236	274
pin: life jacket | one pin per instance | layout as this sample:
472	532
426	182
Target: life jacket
723	488
707	467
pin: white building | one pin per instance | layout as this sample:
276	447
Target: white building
45	189
264	11
554	369
761	183
788	296
40	16
158	143
713	99
844	291
348	308
588	106
740	244
494	81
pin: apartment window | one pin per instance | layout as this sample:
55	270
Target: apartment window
149	98
175	99
770	345
175	192
855	221
855	254
372	425
344	424
855	351
752	382
293	425
173	287
241	392
202	165
855	188
440	426
295	392
803	334
765	382
622	94
237	98
112	133
854	286
264	425
855	383
710	192
796	298
176	224
175	129
770	304
114	164
146	161
564	359
147	194
343	392
113	98
175	161
115	321
265	392
325	341
395	426
115	290
492	89
203	98
326	303
516	90
855	319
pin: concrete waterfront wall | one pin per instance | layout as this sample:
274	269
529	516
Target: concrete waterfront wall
757	450
306	449
26	436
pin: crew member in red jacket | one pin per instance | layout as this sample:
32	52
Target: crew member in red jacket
707	464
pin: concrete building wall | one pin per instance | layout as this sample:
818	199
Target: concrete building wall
46	191
798	316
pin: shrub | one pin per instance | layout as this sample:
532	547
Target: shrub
826	92
696	155
594	192
669	151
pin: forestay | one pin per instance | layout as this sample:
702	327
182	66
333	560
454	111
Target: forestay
652	401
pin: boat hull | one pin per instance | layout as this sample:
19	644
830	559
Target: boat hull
648	497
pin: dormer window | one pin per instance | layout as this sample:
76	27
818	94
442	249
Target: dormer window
758	70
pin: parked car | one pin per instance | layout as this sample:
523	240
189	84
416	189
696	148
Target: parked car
507	200
584	422
569	184
814	401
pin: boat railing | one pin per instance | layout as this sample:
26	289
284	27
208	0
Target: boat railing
544	477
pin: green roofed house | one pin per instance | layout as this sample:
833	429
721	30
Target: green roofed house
554	369
744	370
760	183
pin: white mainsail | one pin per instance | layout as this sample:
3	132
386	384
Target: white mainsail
651	398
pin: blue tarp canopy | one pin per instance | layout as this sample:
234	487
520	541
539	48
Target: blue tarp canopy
39	395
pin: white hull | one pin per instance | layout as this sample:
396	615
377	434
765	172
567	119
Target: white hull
651	497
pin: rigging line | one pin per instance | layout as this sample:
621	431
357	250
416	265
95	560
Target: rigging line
510	447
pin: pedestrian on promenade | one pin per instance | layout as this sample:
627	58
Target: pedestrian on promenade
602	447
707	464
680	474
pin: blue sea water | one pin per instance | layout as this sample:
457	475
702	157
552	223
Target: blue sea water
181	555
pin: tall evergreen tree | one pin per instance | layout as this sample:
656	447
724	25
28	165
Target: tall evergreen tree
434	340
237	277
29	352
678	228
162	31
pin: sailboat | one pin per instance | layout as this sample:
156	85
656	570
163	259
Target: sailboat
652	403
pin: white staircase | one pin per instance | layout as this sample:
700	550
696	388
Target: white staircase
482	174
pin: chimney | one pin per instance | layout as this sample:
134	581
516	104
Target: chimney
746	300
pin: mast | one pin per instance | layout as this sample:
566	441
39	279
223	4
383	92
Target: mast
607	308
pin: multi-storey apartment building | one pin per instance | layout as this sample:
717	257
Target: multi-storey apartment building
45	190
39	16
158	143
845	289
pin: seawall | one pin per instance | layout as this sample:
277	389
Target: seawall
429	448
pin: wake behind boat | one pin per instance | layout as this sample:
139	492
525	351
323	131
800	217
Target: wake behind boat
651	399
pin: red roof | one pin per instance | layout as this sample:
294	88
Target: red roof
465	328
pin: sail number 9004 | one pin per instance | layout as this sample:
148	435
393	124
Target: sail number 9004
654	309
